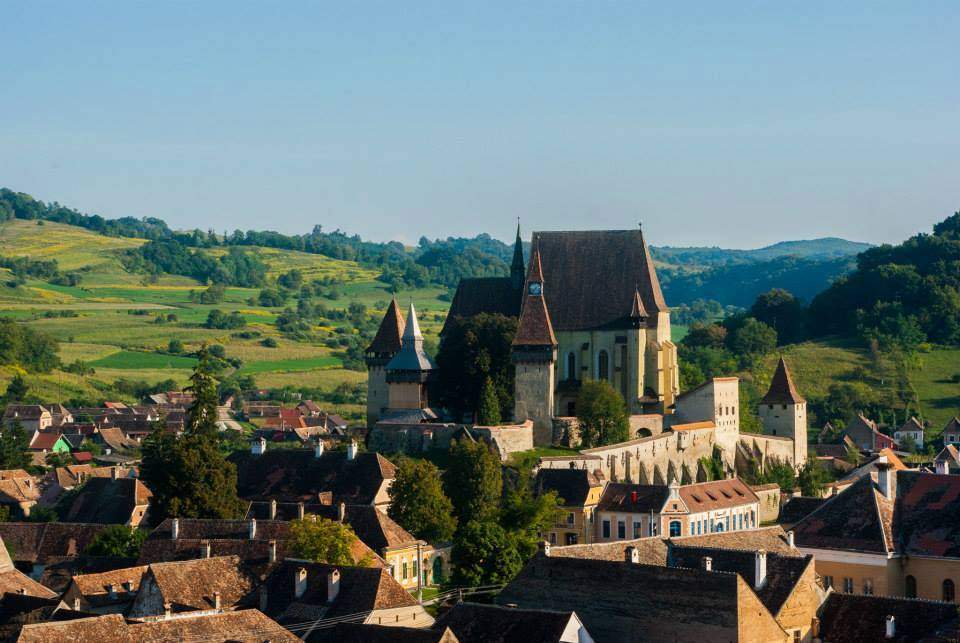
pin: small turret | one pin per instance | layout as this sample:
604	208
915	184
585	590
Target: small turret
410	370
384	347
783	412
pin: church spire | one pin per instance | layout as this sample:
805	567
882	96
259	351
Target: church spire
637	310
534	327
411	357
517	269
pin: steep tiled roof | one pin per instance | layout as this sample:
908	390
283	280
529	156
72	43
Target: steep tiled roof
651	551
782	390
783	572
387	340
15	582
798	508
23	412
44	440
246	626
591	277
46	542
362	589
96	587
473	622
189	585
494	295
707	496
912	425
297	476
846	618
104	500
613	597
633	498
926	518
771	539
857	519
535	327
572	485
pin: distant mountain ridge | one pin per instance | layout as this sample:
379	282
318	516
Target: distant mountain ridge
825	248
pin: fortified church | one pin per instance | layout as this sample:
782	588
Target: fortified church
589	306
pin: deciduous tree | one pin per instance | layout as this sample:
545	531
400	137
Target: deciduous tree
473	481
602	414
418	503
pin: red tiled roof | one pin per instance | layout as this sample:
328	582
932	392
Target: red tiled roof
782	390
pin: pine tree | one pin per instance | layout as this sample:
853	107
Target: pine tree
488	411
13	447
16	390
202	416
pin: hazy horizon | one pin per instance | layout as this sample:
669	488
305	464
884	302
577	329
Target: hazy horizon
734	126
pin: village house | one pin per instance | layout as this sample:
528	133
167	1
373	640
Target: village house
951	432
32	417
304	475
227	627
48	441
912	429
13	581
19	492
849	618
110	592
37	545
296	591
895	534
579	491
115	500
867	436
405	556
948	460
480	623
635	511
203	585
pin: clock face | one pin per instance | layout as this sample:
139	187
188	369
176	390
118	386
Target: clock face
536	288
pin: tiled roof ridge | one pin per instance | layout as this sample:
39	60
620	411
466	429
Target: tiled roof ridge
876	597
517	610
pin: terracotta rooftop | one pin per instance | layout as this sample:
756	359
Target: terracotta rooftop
47	542
771	539
707	496
15	582
106	501
782	390
633	498
190	585
652	551
572	485
858	519
846	618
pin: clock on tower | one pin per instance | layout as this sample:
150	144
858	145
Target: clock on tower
535	288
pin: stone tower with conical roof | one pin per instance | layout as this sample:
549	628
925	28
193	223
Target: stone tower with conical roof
783	412
410	370
534	354
385	345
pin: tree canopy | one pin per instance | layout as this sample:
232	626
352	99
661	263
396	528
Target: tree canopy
473	481
119	541
323	541
601	414
418	503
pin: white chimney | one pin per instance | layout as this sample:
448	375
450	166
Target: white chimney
113	473
545	548
632	555
175	528
112	590
341	511
216	600
318	448
166	610
891	629
205	549
942	467
760	568
253	529
300	583
790	539
273	551
258	446
299	511
128	586
333	585
273	510
352	450
76	604
885	479
707	563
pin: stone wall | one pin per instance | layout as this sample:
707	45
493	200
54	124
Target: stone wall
769	495
416	438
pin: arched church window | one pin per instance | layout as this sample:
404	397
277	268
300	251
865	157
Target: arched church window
603	365
571	366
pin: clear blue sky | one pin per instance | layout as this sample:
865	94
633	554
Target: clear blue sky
717	123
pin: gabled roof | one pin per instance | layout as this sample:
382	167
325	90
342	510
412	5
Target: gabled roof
953	426
782	390
389	334
859	519
926	519
798	508
297	476
106	501
24	412
190	585
572	485
362	589
771	539
475	622
15	582
651	550
633	498
46	542
591	277
493	295
96	587
848	618
535	327
708	496
913	425
44	440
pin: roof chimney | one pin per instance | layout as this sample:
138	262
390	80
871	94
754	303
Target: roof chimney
76	604
113	473
790	539
273	551
253	529
885	479
216	600
205	549
707	563
175	528
632	555
299	511
273	509
166	610
318	448
891	629
352	450
112	590
258	446
942	467
128	586
300	583
333	585
633	497
341	511
674	491
545	547
760	568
